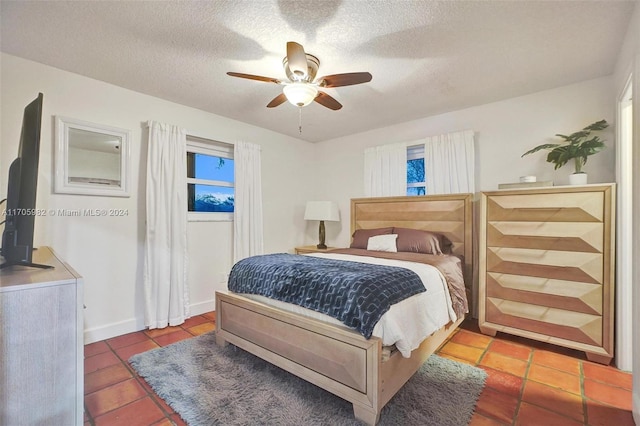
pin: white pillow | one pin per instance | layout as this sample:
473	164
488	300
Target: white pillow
385	242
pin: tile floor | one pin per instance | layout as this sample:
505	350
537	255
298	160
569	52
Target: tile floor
528	383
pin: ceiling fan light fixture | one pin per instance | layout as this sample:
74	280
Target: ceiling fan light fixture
300	94
301	86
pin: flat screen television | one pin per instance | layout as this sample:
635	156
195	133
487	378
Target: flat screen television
20	211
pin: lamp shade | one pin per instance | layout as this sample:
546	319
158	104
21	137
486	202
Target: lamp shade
300	94
322	210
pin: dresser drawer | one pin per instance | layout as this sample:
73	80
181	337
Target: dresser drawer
560	323
555	207
562	236
567	295
560	265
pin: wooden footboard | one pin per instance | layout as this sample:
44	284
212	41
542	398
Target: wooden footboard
332	357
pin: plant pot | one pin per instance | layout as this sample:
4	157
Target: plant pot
578	179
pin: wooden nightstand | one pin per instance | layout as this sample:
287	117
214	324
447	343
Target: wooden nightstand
311	249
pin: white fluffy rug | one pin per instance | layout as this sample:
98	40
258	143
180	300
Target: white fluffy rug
209	385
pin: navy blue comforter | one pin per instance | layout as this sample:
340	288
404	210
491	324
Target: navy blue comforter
356	293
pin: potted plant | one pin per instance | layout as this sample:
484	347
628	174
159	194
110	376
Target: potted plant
578	147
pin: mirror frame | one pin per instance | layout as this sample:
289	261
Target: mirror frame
61	181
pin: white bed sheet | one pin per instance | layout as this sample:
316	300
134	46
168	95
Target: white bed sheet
407	323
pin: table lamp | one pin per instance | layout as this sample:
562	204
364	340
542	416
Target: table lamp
322	210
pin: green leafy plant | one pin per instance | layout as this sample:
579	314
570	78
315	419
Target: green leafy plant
577	146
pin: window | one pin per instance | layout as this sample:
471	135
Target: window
210	180
415	170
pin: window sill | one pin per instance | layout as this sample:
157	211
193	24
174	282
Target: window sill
209	217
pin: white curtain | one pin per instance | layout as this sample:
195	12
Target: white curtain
385	170
165	264
449	163
247	217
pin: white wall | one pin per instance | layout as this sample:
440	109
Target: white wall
629	64
503	131
636	230
624	175
108	251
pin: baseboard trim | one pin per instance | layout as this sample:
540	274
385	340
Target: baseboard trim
202	307
115	329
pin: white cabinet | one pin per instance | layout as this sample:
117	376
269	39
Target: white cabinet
41	344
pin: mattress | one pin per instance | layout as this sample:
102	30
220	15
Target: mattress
408	322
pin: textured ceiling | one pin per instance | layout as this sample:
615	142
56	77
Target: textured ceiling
426	57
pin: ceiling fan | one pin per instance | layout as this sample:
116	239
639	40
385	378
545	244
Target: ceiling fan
301	89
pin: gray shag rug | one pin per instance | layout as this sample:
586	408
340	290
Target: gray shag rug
209	385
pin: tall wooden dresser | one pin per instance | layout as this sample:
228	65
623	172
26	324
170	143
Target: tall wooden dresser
547	259
41	344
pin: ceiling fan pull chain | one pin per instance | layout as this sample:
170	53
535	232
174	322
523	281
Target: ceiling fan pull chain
300	119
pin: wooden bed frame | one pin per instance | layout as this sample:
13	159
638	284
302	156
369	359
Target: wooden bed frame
337	358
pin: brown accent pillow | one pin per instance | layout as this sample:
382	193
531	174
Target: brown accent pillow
418	241
361	236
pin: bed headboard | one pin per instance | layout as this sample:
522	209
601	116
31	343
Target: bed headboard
449	214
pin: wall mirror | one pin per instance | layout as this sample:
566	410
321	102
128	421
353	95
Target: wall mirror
91	159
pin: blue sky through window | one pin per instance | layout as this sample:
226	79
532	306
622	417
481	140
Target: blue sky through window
208	167
211	197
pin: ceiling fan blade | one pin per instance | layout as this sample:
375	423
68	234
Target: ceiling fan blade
254	77
327	101
347	79
278	100
297	60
